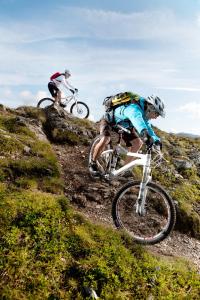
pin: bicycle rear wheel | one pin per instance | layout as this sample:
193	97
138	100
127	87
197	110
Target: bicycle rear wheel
104	160
80	110
44	102
158	221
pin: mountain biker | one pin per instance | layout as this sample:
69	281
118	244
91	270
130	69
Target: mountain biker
135	117
56	80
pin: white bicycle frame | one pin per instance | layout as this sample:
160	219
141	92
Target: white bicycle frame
68	99
141	160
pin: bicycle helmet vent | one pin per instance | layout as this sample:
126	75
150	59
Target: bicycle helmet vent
157	104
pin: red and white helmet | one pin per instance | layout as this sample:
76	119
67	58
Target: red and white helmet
157	104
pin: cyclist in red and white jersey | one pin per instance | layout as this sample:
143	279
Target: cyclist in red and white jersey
56	80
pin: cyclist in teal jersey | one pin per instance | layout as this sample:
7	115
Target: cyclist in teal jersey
135	117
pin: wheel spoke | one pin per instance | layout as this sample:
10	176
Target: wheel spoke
80	110
158	220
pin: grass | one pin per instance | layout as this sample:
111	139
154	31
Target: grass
50	252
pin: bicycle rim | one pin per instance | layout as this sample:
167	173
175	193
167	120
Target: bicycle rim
45	102
79	110
158	221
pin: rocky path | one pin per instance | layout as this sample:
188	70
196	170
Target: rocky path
93	198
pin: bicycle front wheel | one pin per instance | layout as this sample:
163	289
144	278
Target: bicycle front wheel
80	110
45	102
158	221
104	160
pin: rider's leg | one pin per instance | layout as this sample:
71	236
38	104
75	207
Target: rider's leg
136	145
133	143
58	97
99	148
105	133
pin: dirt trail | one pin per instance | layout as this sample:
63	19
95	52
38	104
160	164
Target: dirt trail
93	198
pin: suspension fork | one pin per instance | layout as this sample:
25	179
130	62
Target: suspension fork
146	177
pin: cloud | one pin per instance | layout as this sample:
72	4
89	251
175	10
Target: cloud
186	89
162	25
24	97
25	55
192	108
28	98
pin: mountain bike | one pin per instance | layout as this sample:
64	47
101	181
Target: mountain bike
142	208
78	109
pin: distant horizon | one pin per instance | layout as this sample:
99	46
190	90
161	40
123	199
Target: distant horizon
147	46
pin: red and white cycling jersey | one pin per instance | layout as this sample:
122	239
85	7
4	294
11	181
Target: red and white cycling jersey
59	79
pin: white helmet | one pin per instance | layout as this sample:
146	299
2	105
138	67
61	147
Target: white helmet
67	72
157	104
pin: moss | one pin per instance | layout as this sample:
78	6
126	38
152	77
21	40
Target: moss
54	185
32	113
10	145
26	183
137	172
49	252
187	220
23	155
164	178
85	123
13	126
189	173
34	166
65	136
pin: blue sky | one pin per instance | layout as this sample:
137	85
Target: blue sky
146	46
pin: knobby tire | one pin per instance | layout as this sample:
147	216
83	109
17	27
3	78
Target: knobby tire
49	101
82	106
144	229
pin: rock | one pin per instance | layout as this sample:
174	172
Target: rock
178	176
63	127
183	164
195	157
27	150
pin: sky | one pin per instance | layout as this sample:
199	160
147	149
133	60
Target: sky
144	46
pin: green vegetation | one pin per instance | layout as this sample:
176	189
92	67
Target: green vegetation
24	158
48	251
63	136
182	183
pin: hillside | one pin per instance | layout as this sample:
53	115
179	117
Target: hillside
56	230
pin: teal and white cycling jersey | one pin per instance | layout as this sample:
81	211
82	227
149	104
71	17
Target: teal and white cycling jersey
136	115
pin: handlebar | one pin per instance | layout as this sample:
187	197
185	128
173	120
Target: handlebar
151	148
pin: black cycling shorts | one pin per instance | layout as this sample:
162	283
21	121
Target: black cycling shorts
105	130
53	89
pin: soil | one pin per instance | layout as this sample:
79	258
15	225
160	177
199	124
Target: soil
93	198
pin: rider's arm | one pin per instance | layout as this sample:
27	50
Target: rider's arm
67	85
151	131
135	115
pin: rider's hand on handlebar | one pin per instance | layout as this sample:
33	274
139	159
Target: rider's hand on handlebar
146	138
158	145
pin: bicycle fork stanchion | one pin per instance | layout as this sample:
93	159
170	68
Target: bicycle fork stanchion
141	200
